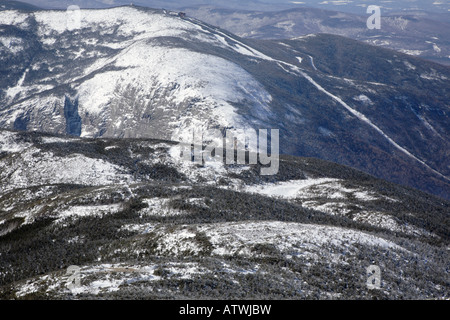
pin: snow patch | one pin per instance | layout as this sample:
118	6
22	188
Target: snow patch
89	211
27	170
288	237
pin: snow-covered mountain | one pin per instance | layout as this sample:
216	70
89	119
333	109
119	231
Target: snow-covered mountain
122	80
136	72
140	222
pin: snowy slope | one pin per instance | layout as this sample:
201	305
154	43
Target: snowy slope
179	85
141	223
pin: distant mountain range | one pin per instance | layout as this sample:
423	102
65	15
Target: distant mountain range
17	5
356	6
416	33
